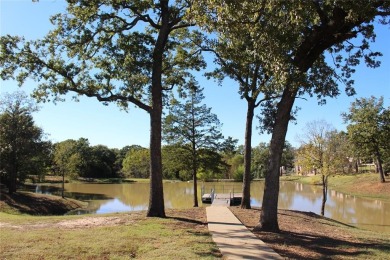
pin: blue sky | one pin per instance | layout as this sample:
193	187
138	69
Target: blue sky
109	126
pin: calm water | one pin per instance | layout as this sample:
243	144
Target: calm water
108	198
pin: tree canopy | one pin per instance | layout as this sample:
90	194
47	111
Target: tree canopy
23	148
292	39
192	126
369	129
115	51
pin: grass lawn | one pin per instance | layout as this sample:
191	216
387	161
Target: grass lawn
182	235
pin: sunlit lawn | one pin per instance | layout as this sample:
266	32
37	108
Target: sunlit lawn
116	236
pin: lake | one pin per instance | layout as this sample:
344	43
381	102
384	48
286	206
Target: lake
108	198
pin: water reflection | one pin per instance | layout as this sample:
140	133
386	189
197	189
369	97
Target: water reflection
108	198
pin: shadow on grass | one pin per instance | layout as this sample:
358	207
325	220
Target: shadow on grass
214	253
188	220
322	245
316	216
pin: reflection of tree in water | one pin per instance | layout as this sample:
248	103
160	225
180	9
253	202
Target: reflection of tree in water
180	195
176	195
287	191
372	214
135	194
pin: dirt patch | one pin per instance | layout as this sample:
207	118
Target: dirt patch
91	222
36	204
82	222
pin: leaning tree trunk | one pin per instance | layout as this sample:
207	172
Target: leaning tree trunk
269	213
324	193
156	199
246	185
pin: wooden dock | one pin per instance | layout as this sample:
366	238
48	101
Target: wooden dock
222	199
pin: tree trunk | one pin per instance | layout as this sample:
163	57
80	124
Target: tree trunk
357	167
63	184
246	185
380	168
156	197
12	183
195	190
269	213
194	171
324	193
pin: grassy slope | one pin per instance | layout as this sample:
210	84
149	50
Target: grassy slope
363	185
36	204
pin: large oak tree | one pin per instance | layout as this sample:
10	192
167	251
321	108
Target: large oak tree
115	51
234	56
298	34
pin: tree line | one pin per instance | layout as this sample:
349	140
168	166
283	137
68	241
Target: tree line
323	150
138	52
24	147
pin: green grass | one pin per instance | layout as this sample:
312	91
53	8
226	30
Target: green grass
27	237
312	180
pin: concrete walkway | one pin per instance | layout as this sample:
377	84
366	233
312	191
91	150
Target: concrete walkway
233	239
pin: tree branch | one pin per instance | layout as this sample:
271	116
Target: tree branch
74	87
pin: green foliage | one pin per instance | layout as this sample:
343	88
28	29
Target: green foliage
23	148
229	146
102	162
192	127
233	163
70	158
368	126
323	150
78	159
238	174
211	164
137	163
176	163
93	47
260	156
369	129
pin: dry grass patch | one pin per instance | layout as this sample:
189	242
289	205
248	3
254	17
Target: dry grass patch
182	235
